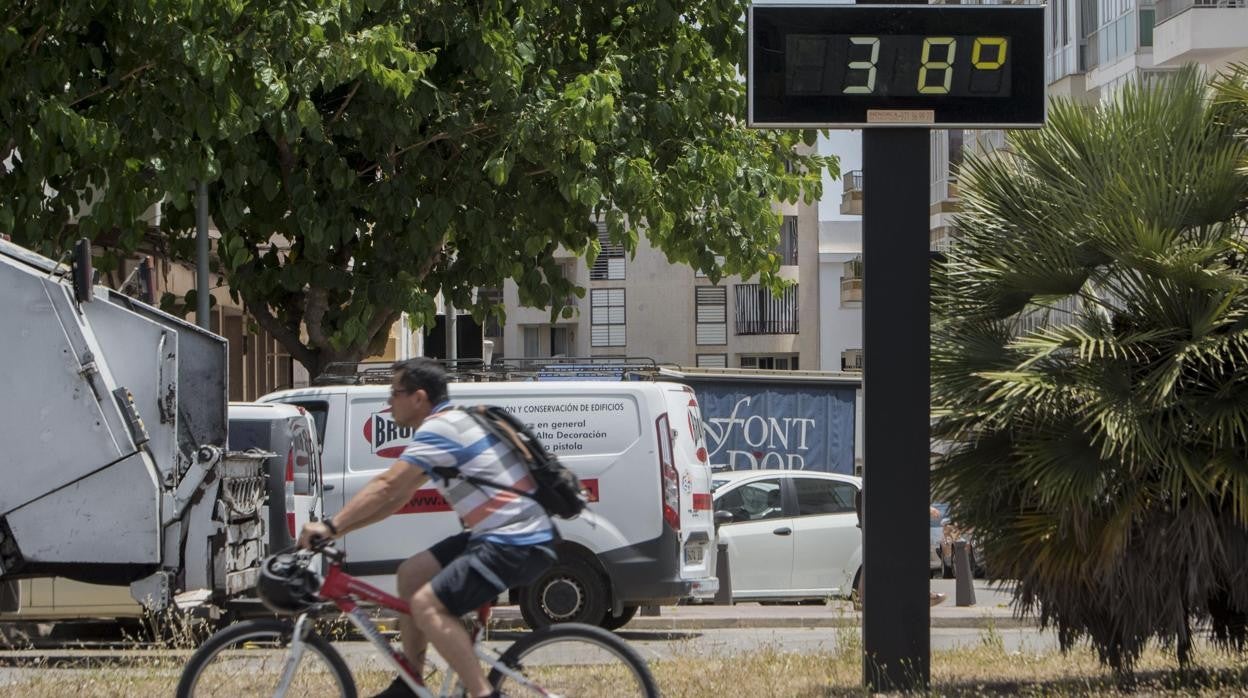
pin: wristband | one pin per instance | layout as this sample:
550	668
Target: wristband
329	523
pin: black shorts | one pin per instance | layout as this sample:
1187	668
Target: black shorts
474	572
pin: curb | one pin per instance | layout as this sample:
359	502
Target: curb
660	623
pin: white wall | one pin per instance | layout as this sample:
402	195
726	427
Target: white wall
840	328
846	145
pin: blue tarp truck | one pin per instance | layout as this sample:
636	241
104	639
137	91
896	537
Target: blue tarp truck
755	418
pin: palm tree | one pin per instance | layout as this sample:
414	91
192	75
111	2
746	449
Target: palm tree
1090	367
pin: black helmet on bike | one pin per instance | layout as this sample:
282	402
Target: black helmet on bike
286	585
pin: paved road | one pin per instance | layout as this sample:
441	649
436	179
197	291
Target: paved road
690	631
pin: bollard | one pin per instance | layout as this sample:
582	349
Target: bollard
964	573
723	597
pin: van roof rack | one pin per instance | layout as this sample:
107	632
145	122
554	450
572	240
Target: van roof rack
501	369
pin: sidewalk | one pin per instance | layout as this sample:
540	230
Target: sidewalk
991	609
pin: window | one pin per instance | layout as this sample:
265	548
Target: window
788	241
559	344
786	362
491	297
759	312
606	317
320	415
712	360
711	314
753	501
1148	18
820	496
609	266
532	341
568	271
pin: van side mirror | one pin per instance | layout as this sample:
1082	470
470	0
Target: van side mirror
722	517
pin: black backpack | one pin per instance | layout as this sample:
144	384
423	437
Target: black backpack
558	489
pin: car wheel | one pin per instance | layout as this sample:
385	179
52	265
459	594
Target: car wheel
611	622
568	592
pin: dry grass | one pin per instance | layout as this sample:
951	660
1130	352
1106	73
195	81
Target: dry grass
984	670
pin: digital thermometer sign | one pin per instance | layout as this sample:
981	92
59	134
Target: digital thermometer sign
851	66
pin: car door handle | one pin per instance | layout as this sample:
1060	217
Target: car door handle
783	531
328	488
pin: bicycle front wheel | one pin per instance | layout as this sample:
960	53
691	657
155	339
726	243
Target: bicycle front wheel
573	659
253	657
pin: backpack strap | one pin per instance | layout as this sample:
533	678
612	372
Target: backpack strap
496	430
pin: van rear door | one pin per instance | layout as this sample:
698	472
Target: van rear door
693	468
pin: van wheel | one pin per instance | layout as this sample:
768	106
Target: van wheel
611	622
571	591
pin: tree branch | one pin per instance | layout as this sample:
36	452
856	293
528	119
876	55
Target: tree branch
347	100
36	39
285	165
286	336
380	322
128	76
314	317
441	137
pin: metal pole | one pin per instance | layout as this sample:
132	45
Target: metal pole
202	292
895	619
452	348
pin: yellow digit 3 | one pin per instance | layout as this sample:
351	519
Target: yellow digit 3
951	45
869	66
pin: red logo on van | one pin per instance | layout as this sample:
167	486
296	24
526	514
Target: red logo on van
386	438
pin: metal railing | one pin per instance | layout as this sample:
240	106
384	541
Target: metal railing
853	181
759	312
1169	8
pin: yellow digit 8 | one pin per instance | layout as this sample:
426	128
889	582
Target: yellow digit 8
950	44
981	41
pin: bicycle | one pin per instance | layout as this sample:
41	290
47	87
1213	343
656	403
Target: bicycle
569	659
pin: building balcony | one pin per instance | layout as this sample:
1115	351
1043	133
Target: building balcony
851	196
851	292
759	312
851	360
1199	31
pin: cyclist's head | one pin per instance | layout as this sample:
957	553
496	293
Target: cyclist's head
421	374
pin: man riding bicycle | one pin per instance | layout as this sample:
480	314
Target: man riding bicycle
508	541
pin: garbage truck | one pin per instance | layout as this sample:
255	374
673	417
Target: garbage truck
113	420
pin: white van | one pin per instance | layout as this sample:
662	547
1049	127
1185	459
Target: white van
647	537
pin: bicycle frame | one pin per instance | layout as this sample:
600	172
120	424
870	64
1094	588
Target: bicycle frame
345	591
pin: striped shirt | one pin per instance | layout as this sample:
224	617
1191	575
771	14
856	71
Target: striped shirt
451	438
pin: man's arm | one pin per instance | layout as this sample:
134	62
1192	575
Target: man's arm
380	498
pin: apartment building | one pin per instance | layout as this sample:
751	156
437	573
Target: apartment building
644	306
1094	48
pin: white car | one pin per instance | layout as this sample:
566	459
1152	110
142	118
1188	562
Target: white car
793	533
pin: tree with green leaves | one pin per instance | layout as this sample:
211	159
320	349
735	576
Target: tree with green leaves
1090	367
364	155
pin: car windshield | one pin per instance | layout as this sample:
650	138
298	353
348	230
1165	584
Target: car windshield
718	483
